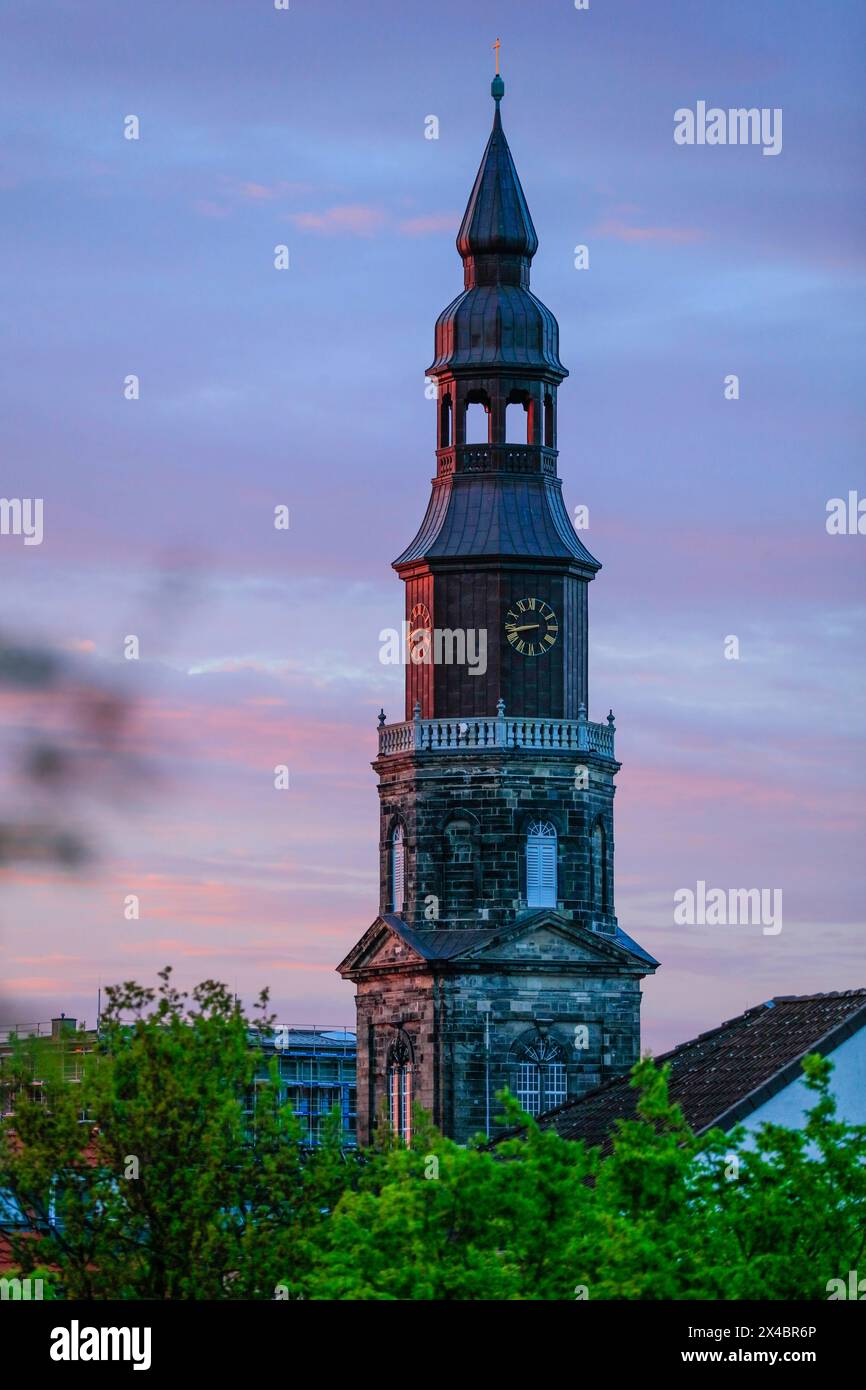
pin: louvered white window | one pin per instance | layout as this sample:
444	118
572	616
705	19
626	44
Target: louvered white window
541	865
398	869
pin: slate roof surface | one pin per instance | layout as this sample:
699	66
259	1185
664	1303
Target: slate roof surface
497	220
721	1076
445	943
497	325
498	515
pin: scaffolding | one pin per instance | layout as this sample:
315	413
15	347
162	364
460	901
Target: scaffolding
317	1071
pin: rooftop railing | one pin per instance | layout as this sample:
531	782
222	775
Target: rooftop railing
419	735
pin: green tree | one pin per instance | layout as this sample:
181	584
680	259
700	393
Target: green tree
189	1180
169	1189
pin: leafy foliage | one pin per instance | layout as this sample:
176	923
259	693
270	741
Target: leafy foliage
228	1207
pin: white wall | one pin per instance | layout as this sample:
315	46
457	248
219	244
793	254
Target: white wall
848	1084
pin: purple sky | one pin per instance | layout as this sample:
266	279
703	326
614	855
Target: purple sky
306	387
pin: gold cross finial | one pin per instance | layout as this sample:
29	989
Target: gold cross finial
497	47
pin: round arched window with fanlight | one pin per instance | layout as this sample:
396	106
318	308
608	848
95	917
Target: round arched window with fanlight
541	864
541	1079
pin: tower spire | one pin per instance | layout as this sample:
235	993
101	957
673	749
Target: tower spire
497	222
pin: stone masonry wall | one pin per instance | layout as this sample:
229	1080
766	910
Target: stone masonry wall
494	795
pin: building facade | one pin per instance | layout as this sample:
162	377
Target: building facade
496	958
34	1055
316	1070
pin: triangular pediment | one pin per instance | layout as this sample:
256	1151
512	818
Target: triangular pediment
383	944
543	936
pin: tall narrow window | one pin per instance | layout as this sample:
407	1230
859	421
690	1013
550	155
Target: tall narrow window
400	1088
445	422
548	422
541	865
541	1080
516	423
459	872
477	418
599	891
398	869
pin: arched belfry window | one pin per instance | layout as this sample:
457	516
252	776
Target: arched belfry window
541	1080
599	868
517	421
548	421
477	418
399	1067
398	868
445	422
541	864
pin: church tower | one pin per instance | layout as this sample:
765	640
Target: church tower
496	958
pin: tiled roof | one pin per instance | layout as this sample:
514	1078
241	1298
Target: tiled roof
722	1076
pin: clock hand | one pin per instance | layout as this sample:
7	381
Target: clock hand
527	627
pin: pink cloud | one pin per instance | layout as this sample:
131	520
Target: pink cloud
205	208
253	192
619	231
429	224
355	219
257	192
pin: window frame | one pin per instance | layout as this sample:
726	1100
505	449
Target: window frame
542	864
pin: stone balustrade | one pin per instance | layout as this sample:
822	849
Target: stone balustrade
419	735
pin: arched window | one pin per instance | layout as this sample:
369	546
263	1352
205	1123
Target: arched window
477	426
400	1087
599	868
541	1081
398	869
445	422
548	421
541	864
459	870
517	420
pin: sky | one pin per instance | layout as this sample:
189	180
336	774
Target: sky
305	388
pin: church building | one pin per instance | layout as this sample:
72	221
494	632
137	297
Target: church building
495	958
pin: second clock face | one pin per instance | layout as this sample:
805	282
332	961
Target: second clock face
531	626
419	618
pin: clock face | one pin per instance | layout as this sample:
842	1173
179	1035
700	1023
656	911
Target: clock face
419	618
531	626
